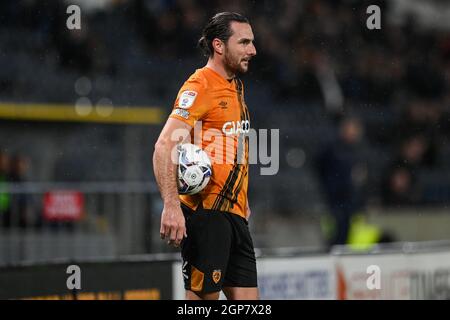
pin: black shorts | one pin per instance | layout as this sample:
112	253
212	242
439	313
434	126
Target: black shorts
218	251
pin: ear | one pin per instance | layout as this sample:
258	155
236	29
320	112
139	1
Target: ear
218	46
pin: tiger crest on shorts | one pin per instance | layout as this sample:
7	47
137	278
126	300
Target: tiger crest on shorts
216	275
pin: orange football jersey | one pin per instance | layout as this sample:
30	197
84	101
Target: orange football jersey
215	108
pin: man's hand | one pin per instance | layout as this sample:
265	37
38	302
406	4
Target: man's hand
248	213
173	225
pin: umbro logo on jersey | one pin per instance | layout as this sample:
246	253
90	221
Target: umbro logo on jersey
223	104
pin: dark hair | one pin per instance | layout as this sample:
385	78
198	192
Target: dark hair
219	26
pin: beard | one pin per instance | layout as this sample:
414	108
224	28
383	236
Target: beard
234	64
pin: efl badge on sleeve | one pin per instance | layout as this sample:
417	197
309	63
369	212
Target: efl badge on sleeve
187	99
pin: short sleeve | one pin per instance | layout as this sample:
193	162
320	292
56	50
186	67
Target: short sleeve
191	104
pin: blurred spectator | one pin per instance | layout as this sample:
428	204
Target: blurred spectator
342	173
21	202
422	118
399	186
20	165
5	198
412	151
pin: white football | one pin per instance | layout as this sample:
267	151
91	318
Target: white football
194	169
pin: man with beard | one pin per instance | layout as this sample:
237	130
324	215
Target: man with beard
212	225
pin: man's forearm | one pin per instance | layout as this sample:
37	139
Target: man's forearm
166	174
